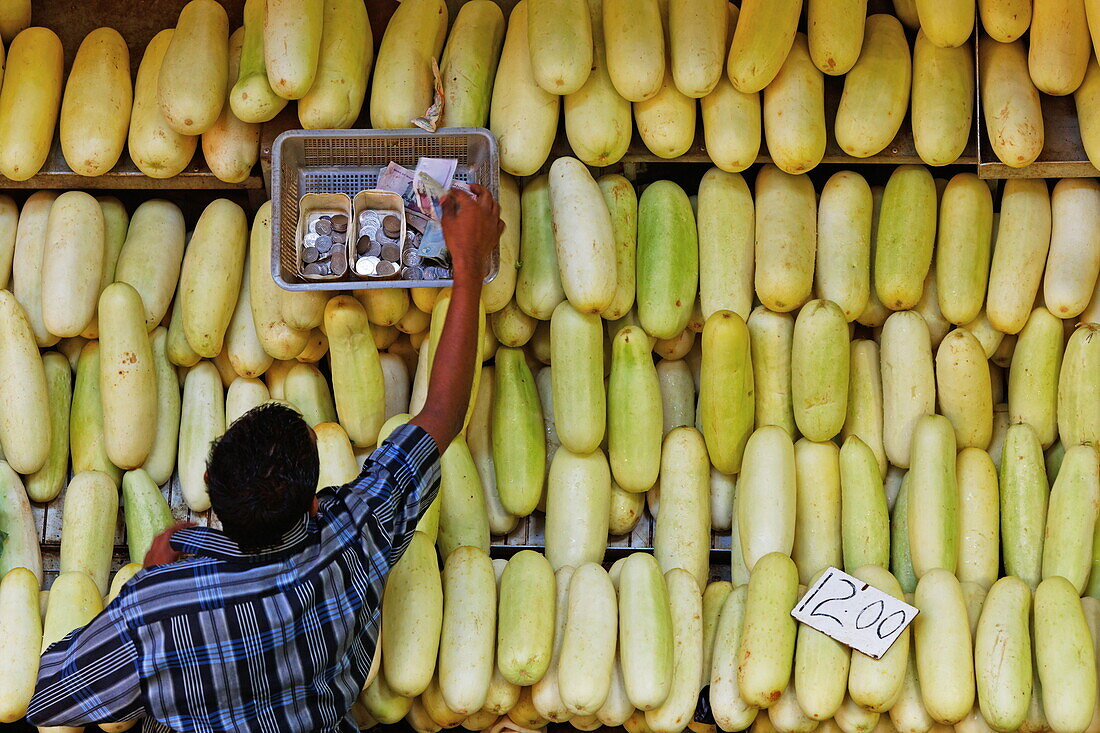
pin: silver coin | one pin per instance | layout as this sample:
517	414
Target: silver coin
324	244
364	267
310	254
310	240
325	269
412	273
411	258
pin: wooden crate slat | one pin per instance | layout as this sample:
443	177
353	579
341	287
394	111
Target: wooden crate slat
39	512
51	532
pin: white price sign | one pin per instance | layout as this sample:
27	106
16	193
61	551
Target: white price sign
854	613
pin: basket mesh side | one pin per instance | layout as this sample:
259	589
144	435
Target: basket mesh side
406	151
288	212
353	180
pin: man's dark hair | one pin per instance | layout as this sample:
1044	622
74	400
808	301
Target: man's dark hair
262	475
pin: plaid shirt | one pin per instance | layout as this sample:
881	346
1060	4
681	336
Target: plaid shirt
276	640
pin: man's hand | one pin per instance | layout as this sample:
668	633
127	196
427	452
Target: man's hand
471	227
161	552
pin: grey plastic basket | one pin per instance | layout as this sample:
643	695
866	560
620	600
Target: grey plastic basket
348	161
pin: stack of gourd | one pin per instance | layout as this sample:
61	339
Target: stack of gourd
609	66
195	82
617	63
853	376
613	63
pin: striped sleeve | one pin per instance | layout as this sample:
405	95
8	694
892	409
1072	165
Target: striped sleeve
398	483
90	676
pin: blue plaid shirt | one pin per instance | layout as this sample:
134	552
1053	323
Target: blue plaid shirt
276	640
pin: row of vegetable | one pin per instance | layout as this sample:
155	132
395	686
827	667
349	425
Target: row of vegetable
636	645
878	309
609	66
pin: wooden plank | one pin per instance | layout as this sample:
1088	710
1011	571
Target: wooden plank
57	174
530	533
180	511
642	535
619	542
39	512
51	531
51	565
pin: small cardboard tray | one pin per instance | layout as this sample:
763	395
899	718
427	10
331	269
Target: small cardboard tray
325	203
378	200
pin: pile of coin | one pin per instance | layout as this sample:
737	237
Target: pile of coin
415	265
378	249
324	248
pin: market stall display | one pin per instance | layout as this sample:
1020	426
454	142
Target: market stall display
701	386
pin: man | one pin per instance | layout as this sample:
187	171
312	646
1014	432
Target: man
272	624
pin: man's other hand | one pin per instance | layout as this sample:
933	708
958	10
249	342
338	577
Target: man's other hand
161	552
471	227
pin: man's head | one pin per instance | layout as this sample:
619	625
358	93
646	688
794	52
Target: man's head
262	474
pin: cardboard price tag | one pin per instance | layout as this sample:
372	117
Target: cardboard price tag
854	613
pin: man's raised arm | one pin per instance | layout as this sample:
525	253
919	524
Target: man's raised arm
471	228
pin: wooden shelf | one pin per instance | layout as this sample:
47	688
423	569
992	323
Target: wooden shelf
56	174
